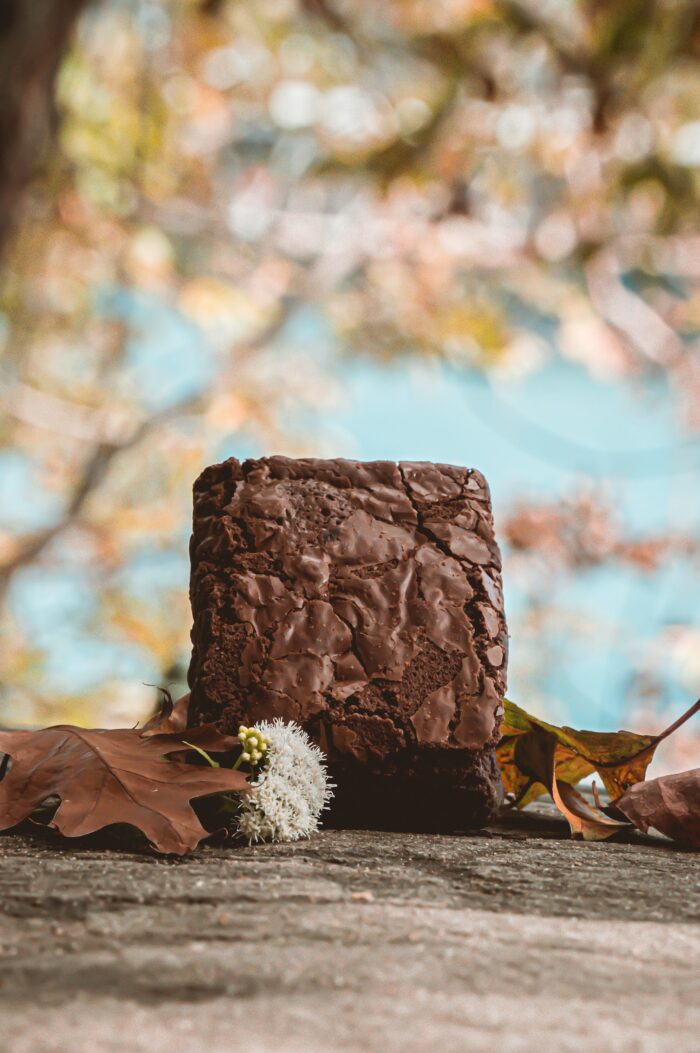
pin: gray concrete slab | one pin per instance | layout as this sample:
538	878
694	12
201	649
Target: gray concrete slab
515	939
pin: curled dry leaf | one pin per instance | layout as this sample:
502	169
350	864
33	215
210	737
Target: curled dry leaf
670	804
620	757
585	820
121	776
534	755
171	718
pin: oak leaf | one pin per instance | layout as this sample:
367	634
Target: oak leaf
670	804
122	776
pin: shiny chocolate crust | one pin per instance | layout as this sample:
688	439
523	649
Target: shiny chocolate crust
362	600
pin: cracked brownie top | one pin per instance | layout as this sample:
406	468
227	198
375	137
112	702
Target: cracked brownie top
362	600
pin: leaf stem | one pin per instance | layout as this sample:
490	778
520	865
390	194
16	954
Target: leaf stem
202	753
654	742
681	720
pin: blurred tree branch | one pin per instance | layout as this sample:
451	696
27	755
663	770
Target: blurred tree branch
212	7
34	35
327	13
100	460
42	409
88	480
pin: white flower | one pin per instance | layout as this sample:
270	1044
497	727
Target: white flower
287	798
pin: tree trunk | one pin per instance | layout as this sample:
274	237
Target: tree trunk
33	37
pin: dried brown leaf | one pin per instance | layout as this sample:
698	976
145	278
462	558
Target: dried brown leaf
171	718
584	820
534	755
106	777
670	804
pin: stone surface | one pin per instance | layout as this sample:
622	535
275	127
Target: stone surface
514	939
362	600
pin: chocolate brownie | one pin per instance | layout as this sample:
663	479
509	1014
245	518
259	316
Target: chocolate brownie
362	600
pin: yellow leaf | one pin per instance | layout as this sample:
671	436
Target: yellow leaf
620	757
534	755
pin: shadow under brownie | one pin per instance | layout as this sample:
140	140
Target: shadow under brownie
362	600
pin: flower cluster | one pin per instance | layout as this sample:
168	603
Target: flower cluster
291	791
